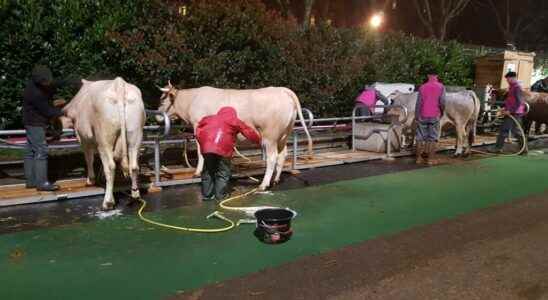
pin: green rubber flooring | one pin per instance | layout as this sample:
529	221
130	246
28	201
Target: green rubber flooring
123	258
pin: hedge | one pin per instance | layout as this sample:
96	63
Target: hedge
226	44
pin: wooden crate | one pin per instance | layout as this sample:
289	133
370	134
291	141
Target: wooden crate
491	69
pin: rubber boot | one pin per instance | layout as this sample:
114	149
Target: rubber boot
419	153
526	149
431	150
29	173
222	177
41	171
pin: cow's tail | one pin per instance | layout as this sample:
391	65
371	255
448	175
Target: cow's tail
301	118
473	123
121	85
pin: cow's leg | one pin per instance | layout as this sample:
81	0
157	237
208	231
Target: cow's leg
134	139
461	137
470	130
89	153
109	167
271	155
200	165
280	161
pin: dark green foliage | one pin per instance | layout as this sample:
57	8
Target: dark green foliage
226	44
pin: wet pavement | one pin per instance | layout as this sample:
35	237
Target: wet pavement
59	213
342	242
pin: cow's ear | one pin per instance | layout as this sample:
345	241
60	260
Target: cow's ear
171	94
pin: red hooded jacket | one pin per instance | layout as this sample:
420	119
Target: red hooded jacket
217	133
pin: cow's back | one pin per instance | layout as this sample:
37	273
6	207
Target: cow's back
271	107
98	108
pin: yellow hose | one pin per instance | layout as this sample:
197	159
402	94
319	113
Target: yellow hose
214	214
523	146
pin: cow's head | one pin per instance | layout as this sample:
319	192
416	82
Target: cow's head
167	100
399	101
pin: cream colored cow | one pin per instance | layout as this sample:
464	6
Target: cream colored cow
108	117
272	111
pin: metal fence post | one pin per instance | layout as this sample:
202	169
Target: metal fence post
295	149
354	129
156	161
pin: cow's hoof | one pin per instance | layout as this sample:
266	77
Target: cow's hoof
90	182
135	194
108	205
132	201
262	188
197	175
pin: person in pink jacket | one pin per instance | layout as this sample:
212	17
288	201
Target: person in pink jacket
428	112
514	105
367	100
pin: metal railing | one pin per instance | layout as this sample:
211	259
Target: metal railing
167	129
160	138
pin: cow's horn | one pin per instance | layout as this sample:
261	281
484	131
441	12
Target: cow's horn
163	89
169	83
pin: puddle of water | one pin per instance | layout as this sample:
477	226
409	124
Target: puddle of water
106	214
265	193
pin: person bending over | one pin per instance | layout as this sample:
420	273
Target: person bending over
216	135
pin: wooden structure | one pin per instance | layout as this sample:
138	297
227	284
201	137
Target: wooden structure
491	69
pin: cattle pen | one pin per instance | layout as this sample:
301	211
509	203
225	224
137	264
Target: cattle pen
334	140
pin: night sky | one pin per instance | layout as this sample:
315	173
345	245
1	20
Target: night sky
477	25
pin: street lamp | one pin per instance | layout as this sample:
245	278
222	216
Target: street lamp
376	20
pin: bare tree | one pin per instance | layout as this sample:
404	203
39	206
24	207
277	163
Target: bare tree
436	15
516	19
307	13
285	7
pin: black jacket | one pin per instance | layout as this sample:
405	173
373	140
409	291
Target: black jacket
37	110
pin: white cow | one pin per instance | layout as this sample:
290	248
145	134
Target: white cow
108	117
461	110
386	89
272	111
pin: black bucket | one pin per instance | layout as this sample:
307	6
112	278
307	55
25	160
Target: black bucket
274	225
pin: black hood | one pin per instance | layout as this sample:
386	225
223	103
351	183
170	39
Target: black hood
41	75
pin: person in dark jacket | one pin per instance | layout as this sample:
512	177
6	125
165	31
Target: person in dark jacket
216	135
37	112
514	105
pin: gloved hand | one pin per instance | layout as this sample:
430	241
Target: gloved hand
59	103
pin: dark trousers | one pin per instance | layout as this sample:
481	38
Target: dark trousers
508	125
215	176
36	156
427	130
362	111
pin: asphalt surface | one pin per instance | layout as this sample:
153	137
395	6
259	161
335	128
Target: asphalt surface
495	253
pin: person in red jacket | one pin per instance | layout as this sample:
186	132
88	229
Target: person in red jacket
216	135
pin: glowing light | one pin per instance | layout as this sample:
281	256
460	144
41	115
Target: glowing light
376	20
